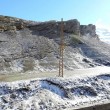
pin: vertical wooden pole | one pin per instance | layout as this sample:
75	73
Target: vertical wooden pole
61	50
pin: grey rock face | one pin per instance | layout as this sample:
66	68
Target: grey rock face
88	29
52	28
72	26
48	29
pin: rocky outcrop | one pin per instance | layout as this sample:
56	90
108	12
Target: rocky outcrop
88	29
72	26
11	23
50	29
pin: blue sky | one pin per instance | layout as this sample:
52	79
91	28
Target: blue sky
86	11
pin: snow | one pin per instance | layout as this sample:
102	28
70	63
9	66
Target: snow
52	88
55	93
17	65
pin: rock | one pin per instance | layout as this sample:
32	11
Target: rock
24	89
88	29
45	28
86	60
7	59
48	29
52	28
72	26
102	61
11	24
20	25
8	28
82	90
6	99
13	95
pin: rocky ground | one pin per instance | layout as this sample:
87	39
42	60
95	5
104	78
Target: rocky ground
55	93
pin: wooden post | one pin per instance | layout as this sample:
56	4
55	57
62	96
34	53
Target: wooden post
61	50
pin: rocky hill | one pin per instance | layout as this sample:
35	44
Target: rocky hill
34	46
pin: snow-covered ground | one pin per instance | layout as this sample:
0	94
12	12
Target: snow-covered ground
56	93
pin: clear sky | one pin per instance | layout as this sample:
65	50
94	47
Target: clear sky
86	11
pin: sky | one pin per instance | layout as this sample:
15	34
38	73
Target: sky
86	11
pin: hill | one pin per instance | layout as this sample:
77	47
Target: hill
34	46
